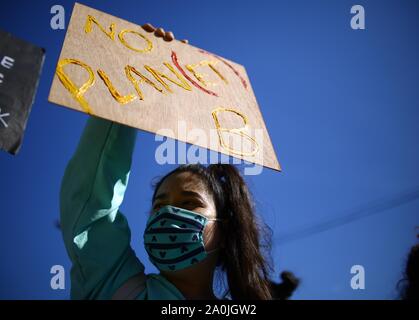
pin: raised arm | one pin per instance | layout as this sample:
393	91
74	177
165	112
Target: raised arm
96	234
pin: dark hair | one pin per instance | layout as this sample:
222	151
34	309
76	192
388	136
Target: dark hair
244	253
410	289
287	286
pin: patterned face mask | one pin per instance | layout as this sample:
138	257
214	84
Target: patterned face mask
173	238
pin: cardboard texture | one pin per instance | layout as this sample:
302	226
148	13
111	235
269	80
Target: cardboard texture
116	70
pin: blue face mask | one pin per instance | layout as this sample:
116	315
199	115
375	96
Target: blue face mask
173	238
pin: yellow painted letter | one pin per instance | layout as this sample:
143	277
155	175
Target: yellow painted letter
76	92
117	96
200	76
237	131
135	82
159	77
121	37
88	27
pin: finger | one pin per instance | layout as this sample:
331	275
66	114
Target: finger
169	36
159	32
148	27
184	41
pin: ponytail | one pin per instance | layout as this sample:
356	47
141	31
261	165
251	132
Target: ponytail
242	258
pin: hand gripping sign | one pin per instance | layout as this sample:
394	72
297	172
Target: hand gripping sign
115	70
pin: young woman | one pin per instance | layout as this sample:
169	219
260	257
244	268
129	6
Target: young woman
202	218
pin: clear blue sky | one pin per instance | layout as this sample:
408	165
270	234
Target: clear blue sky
342	109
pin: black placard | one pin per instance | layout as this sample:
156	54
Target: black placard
20	68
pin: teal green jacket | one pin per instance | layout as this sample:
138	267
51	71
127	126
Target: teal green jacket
96	234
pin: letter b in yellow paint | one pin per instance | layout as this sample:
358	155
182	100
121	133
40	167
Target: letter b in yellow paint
235	132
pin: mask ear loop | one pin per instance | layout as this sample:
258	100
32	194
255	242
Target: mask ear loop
212	251
218	248
216	219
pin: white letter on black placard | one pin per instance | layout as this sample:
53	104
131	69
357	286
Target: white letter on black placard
4	115
7	62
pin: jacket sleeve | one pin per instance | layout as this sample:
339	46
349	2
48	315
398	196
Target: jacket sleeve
96	233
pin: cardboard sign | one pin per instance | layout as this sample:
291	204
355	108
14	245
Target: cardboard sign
20	68
115	70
